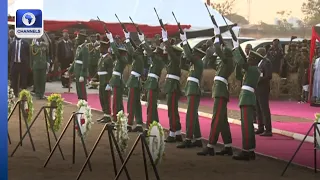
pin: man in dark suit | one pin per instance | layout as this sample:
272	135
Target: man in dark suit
64	56
19	56
262	94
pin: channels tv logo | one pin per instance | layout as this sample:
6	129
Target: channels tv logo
29	23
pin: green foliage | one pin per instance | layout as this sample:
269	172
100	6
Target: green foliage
311	10
282	22
235	18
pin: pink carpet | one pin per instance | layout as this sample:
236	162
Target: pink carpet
277	146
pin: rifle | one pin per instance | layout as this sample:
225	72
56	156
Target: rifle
234	37
104	26
122	25
180	29
137	27
214	22
160	20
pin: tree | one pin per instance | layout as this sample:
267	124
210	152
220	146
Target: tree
311	10
235	18
225	8
282	22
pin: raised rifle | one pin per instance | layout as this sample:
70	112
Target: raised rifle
160	20
104	26
136	26
126	31
180	28
214	22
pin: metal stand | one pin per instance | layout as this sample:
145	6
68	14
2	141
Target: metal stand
112	141
145	147
316	130
73	118
46	121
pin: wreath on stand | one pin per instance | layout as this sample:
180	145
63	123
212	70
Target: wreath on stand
122	136
85	119
11	101
156	141
28	104
55	113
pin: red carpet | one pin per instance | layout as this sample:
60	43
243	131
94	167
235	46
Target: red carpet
277	146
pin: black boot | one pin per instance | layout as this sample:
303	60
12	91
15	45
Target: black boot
179	138
245	156
129	128
185	144
170	139
225	151
137	129
259	131
206	151
197	143
266	134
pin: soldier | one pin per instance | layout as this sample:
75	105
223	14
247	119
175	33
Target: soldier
303	74
105	66
193	93
247	103
79	66
116	81
40	63
247	49
275	54
134	104
172	89
94	55
290	59
219	123
152	82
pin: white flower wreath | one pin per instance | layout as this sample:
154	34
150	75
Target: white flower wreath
156	141
11	101
86	119
122	136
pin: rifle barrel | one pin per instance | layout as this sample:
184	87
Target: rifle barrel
207	8
174	17
117	18
156	13
131	20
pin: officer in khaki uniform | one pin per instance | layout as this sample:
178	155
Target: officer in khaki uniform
172	89
79	66
116	81
94	55
40	63
152	82
104	67
193	93
247	103
219	123
134	84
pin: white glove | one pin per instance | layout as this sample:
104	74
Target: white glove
126	34
110	37
81	79
216	30
108	88
183	37
48	66
164	35
235	43
141	37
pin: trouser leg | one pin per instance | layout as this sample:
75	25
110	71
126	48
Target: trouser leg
131	105
260	120
117	101
192	121
81	89
42	82
173	113
14	78
218	116
36	79
101	97
196	124
265	112
225	130
138	109
152	111
248	137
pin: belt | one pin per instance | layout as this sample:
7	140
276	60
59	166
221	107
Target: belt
248	88
193	80
153	75
222	79
102	73
171	76
78	62
116	73
135	74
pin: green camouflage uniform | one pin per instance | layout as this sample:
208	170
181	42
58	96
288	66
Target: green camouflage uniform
152	82
134	104
39	64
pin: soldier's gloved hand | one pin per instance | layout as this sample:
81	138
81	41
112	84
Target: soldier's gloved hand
141	38
110	37
216	30
183	37
81	79
108	88
126	34
235	43
164	35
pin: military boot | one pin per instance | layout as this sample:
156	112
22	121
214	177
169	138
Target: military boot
259	131
179	138
245	156
185	144
225	151
170	139
137	129
206	151
129	128
197	143
105	119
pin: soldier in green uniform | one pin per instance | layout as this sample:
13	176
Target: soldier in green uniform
219	123
105	66
172	89
79	66
152	82
40	63
116	81
134	84
247	103
94	55
193	93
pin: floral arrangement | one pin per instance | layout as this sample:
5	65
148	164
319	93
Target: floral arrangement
158	144
11	102
122	136
317	116
28	106
56	113
86	118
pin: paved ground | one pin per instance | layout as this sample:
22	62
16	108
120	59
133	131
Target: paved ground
178	164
